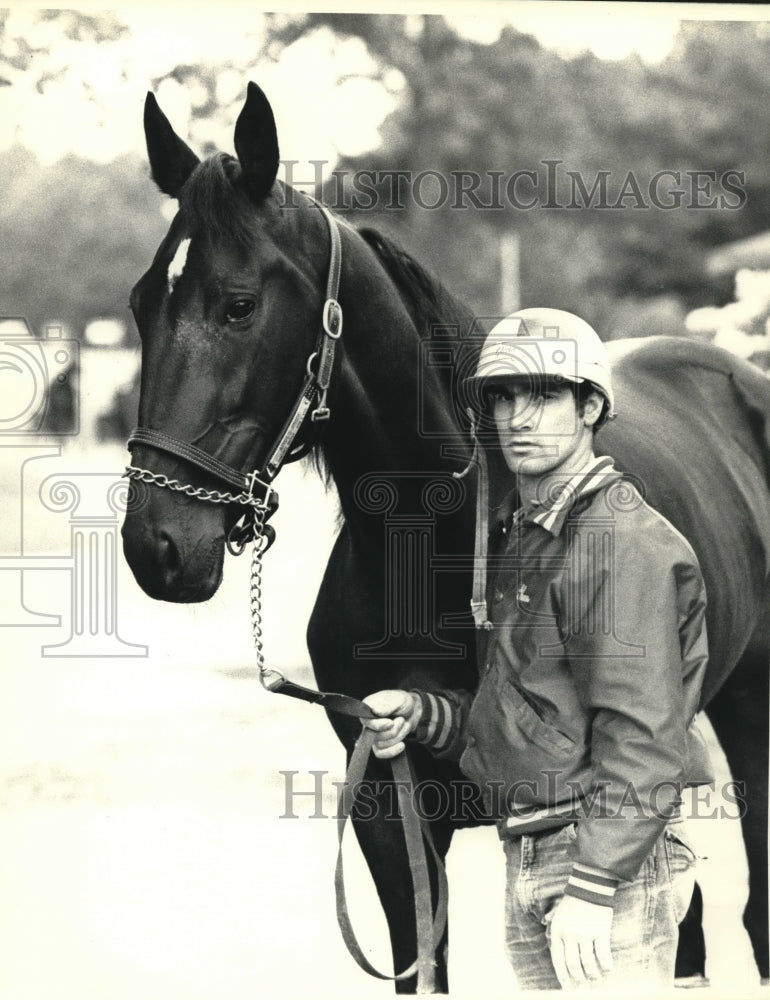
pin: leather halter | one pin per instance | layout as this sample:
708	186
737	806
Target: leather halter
255	486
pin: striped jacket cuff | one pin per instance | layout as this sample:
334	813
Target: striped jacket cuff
437	721
592	884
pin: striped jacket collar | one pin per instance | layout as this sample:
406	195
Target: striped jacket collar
560	496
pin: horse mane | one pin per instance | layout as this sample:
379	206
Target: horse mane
428	302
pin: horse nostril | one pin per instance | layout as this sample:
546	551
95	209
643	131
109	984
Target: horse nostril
169	560
166	568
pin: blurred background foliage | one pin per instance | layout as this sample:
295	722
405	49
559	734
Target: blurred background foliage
512	104
76	233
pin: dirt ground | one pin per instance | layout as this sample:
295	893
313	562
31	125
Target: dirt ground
144	849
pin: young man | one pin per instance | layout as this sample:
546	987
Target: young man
592	653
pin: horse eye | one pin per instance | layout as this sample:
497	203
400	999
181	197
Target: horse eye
239	310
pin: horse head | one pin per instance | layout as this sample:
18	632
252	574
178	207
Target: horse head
232	301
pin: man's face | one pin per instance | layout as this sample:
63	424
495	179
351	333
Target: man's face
539	427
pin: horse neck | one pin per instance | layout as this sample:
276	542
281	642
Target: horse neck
385	394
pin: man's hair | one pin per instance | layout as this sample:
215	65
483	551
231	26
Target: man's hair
542	383
581	391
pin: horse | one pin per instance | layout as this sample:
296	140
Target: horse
228	315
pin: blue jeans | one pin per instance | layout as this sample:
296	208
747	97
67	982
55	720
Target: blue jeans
646	911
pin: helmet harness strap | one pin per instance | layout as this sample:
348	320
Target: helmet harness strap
479	592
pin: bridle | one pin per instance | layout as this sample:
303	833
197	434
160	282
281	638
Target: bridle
254	489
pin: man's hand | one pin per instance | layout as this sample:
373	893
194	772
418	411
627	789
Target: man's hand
402	710
580	941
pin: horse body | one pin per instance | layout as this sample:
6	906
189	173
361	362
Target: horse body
693	429
225	343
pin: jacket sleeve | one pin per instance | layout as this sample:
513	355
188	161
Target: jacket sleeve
634	628
441	728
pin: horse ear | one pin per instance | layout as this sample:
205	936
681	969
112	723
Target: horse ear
171	160
256	142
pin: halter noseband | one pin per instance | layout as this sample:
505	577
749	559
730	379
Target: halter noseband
254	488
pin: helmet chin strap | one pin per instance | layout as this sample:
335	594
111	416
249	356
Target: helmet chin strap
479	592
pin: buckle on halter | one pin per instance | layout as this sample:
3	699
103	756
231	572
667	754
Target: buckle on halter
332	319
251	480
322	411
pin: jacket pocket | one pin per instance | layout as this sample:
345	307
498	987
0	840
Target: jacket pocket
508	741
533	725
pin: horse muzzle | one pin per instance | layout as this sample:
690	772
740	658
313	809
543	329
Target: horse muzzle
177	557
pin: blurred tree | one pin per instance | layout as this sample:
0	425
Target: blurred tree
75	237
468	109
464	109
77	234
513	105
29	38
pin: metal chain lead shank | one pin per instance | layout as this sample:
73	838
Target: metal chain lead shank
255	591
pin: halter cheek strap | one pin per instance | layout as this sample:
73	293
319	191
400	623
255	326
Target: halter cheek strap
254	487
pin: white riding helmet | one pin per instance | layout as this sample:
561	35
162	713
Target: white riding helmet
545	342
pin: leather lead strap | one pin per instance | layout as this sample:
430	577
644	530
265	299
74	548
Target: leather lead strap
417	833
429	931
430	928
342	703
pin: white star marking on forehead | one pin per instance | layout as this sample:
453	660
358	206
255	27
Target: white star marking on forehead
177	264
